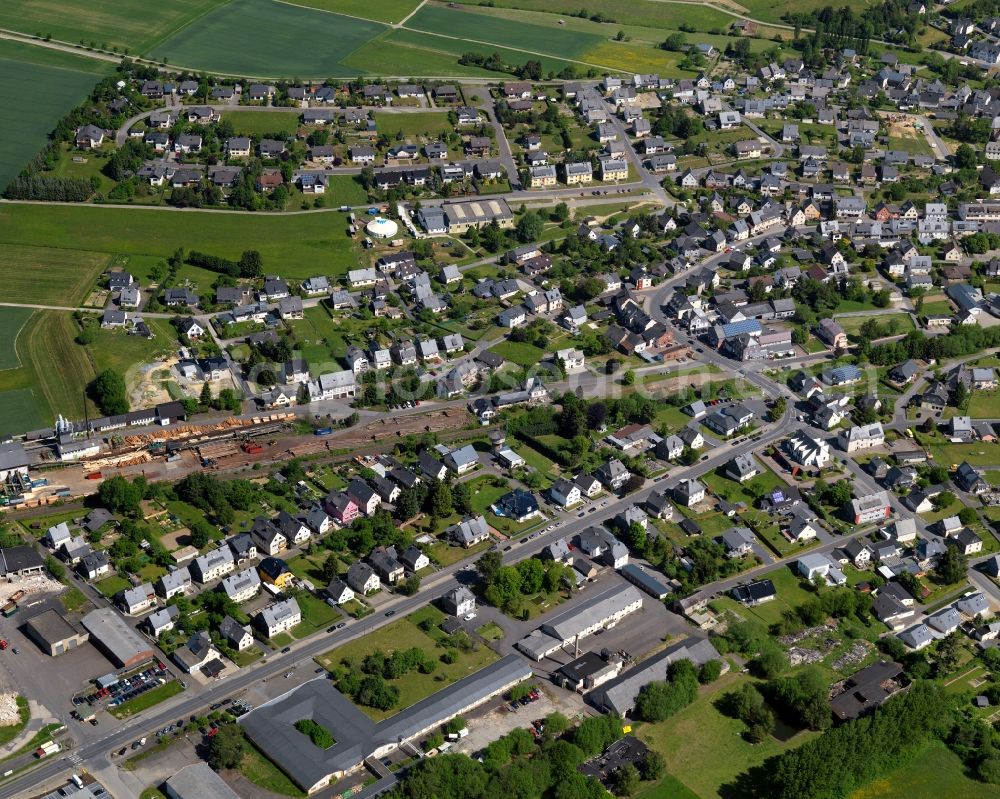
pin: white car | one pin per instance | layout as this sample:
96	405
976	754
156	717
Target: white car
470	617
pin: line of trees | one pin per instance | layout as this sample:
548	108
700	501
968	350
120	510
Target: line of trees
853	754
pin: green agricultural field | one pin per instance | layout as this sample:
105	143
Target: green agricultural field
469	24
129	25
49	276
647	13
417	53
392	11
41	85
294	246
11	322
433	124
259	123
58	367
267	39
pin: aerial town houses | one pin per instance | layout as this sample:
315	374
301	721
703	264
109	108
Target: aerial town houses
762	240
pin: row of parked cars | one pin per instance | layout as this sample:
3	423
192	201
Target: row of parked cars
126	688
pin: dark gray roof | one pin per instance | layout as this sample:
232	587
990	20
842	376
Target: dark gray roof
271	726
619	694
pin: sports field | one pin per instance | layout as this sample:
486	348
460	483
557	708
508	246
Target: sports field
382	10
38	87
130	25
294	245
265	38
49	276
11	322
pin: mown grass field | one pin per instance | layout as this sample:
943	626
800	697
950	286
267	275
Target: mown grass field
129	25
264	38
250	123
11	322
147	700
49	276
38	87
294	246
382	11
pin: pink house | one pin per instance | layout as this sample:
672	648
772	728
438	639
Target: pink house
341	507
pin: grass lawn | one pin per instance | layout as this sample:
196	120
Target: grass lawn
432	124
247	656
985	405
110	586
266	39
852	324
146	700
936	307
519	352
668	788
405	634
249	122
316	615
748	492
704	748
294	246
41	84
281	640
484	494
445	554
491	631
260	771
791	594
73	599
934	772
977	453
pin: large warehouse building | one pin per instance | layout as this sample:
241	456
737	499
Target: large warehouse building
53	633
598	613
122	645
272	726
618	695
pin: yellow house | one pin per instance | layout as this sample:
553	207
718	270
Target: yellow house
275	571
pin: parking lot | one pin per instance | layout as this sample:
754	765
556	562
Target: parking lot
129	686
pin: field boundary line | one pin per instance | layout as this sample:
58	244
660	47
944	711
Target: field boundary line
335	13
516	49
